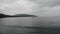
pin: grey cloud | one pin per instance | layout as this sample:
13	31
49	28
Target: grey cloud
48	8
43	3
7	1
54	3
20	6
38	7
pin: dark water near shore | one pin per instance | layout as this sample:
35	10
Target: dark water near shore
23	26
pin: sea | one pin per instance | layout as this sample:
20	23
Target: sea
24	25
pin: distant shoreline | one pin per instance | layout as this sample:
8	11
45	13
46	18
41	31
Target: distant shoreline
19	15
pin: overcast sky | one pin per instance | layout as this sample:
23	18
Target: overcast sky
37	7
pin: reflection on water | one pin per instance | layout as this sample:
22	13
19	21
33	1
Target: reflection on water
23	26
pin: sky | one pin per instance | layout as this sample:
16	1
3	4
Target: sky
36	7
16	6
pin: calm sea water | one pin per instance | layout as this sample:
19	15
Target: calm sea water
17	25
23	25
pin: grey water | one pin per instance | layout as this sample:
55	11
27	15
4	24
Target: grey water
23	25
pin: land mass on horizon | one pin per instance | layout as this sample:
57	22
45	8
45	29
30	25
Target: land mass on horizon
17	15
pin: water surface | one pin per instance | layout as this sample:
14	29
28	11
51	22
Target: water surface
23	25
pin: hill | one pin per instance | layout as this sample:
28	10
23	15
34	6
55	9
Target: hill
3	15
17	15
24	15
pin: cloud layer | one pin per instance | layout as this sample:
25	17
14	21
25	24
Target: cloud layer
48	8
16	6
36	7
